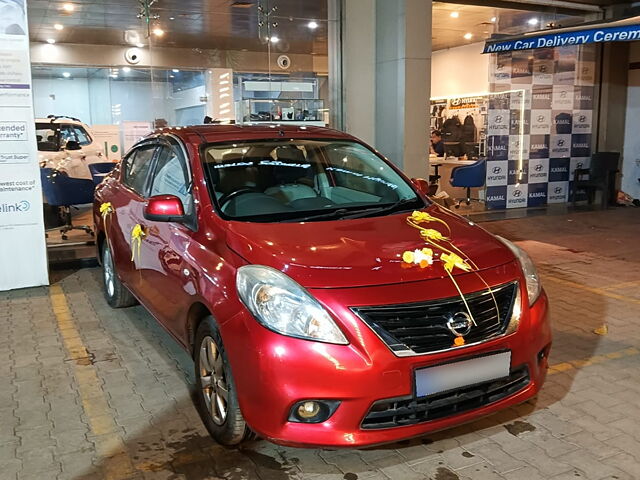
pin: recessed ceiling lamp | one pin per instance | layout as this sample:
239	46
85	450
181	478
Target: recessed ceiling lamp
312	24
58	26
274	39
158	32
468	36
494	19
454	14
533	21
50	41
66	74
172	18
68	7
175	70
126	69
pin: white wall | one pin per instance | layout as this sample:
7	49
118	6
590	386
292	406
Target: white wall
631	152
459	71
61	96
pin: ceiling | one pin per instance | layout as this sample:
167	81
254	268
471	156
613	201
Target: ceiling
205	24
482	22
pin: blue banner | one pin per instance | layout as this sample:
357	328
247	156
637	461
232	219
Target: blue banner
625	33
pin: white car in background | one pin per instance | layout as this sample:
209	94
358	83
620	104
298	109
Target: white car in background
67	144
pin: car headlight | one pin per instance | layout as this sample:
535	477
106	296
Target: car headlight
528	268
283	306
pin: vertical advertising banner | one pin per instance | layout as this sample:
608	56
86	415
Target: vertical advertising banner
23	258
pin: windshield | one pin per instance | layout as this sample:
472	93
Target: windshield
303	180
48	136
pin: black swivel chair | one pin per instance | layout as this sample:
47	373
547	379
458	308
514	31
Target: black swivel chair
601	175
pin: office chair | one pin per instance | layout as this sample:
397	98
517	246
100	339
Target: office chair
602	173
469	176
65	192
99	169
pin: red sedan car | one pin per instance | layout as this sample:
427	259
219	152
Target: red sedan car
326	301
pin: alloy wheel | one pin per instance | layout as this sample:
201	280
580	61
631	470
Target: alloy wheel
215	390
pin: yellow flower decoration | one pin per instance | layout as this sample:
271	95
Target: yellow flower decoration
423	257
432	234
137	234
451	261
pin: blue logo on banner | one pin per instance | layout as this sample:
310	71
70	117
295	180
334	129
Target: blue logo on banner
559	169
496	198
580	37
537	194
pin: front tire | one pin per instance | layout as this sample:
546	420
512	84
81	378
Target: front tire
216	395
117	295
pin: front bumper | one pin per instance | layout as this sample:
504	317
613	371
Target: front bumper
273	372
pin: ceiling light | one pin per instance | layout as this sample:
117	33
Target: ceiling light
532	21
172	76
51	41
68	7
175	70
274	39
455	14
66	74
172	18
126	69
468	36
158	32
58	26
494	19
312	24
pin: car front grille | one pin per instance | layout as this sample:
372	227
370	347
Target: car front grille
401	412
418	328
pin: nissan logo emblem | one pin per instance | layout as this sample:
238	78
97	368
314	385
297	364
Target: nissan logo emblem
460	324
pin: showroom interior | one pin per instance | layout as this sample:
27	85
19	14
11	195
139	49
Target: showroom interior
505	134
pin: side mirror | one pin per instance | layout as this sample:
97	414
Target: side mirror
164	208
422	185
72	145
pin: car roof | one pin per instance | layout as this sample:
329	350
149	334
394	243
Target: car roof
222	133
57	120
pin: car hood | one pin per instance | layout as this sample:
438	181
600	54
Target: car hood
358	252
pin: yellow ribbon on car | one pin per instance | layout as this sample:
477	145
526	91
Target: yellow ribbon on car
137	234
449	255
106	209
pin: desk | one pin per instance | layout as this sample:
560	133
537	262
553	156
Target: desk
439	162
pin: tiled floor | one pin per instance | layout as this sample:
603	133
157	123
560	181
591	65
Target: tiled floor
90	392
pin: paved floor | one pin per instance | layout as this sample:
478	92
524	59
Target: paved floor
87	392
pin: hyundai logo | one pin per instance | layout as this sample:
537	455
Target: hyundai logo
538	167
543	69
579	165
540	118
517	193
560	142
563	94
497	170
460	324
498	119
582	118
557	190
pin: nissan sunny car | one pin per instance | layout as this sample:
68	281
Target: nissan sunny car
325	299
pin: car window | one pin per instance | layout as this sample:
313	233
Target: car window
47	136
282	180
82	137
137	166
171	176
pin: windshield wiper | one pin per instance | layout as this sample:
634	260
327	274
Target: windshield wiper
338	213
385	208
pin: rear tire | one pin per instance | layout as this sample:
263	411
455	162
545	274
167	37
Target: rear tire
117	295
216	394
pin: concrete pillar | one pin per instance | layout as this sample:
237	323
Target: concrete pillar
386	60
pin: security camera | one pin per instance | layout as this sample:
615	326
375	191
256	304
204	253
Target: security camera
132	56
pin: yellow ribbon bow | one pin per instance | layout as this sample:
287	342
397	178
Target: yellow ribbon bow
137	234
432	234
451	261
105	210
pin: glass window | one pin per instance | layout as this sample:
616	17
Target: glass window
137	166
48	137
82	137
280	180
171	176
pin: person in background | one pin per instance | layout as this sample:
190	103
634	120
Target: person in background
437	146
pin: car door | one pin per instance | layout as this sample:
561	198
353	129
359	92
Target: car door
127	204
167	276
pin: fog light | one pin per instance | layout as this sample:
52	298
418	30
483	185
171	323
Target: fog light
309	409
313	411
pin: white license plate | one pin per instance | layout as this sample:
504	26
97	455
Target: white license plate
442	378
